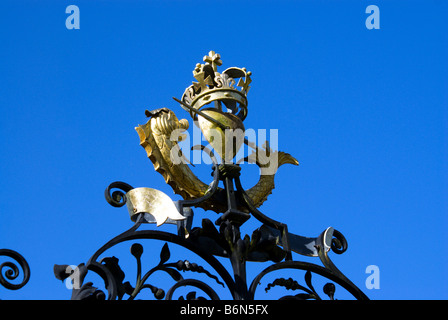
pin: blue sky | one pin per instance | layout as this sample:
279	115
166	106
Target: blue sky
364	112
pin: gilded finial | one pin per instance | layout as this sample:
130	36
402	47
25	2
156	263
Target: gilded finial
214	59
213	86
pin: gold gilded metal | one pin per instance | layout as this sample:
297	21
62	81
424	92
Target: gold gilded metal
150	201
155	139
220	87
226	142
222	125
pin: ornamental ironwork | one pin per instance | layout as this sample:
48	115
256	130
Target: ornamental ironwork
217	102
11	269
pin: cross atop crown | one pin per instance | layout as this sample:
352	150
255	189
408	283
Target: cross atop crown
214	59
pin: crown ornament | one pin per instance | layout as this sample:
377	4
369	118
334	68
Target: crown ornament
212	86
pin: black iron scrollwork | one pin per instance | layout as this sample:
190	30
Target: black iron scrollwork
117	198
308	292
270	242
9	271
113	276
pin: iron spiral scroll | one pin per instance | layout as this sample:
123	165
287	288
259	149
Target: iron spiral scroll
221	239
10	270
